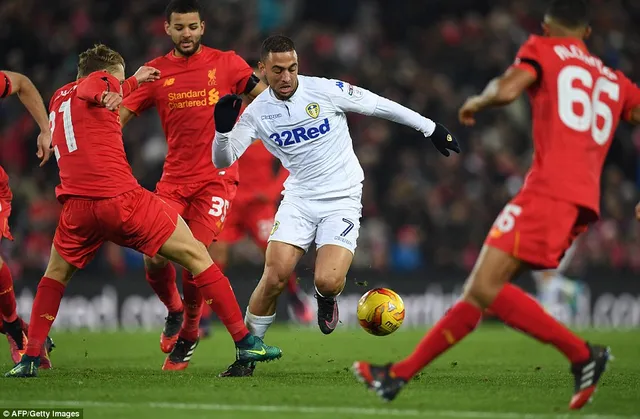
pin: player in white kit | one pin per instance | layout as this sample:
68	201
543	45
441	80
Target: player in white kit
301	120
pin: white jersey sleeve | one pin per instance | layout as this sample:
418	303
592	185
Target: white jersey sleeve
228	147
349	98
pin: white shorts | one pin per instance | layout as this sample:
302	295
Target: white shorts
330	221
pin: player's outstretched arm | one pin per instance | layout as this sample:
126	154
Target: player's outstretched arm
500	91
230	141
32	101
362	101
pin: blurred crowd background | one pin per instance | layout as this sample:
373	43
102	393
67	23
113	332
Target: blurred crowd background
420	210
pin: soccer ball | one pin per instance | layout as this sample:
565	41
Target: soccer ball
380	311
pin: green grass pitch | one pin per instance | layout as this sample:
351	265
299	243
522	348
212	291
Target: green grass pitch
496	373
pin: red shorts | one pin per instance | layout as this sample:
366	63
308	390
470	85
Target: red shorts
204	206
5	211
254	218
538	229
137	219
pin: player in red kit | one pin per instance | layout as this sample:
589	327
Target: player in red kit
194	77
102	201
11	325
577	103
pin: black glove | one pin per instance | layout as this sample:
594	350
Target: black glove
443	140
226	112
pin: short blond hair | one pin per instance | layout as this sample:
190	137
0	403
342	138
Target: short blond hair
100	57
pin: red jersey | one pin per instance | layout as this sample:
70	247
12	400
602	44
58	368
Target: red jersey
5	85
257	175
577	103
184	98
87	139
4	180
5	90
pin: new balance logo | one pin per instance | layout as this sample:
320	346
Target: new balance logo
48	317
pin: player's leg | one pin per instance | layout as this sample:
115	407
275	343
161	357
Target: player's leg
487	287
161	276
558	293
219	251
280	260
258	221
12	326
158	229
75	243
336	240
184	249
206	215
290	237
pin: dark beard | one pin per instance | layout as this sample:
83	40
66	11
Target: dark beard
196	47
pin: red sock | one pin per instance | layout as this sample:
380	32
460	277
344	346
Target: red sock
206	310
163	282
518	310
218	294
44	312
7	296
193	303
292	285
457	323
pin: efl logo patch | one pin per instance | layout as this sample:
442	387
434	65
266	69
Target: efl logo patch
313	110
274	228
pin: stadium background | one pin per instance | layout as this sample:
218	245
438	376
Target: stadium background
424	216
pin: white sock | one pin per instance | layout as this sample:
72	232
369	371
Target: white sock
258	325
546	290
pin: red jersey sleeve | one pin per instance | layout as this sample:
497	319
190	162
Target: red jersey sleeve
241	72
528	57
631	95
96	83
140	99
5	85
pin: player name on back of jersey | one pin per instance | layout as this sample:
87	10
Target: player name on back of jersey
573	51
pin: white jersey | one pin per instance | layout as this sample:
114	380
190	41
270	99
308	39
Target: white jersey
309	134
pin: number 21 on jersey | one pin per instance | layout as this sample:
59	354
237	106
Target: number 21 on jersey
69	135
593	108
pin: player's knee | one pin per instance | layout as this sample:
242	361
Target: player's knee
275	279
219	253
329	284
480	290
154	263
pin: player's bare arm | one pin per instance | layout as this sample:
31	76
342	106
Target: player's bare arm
634	116
145	74
259	88
500	91
32	100
126	115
